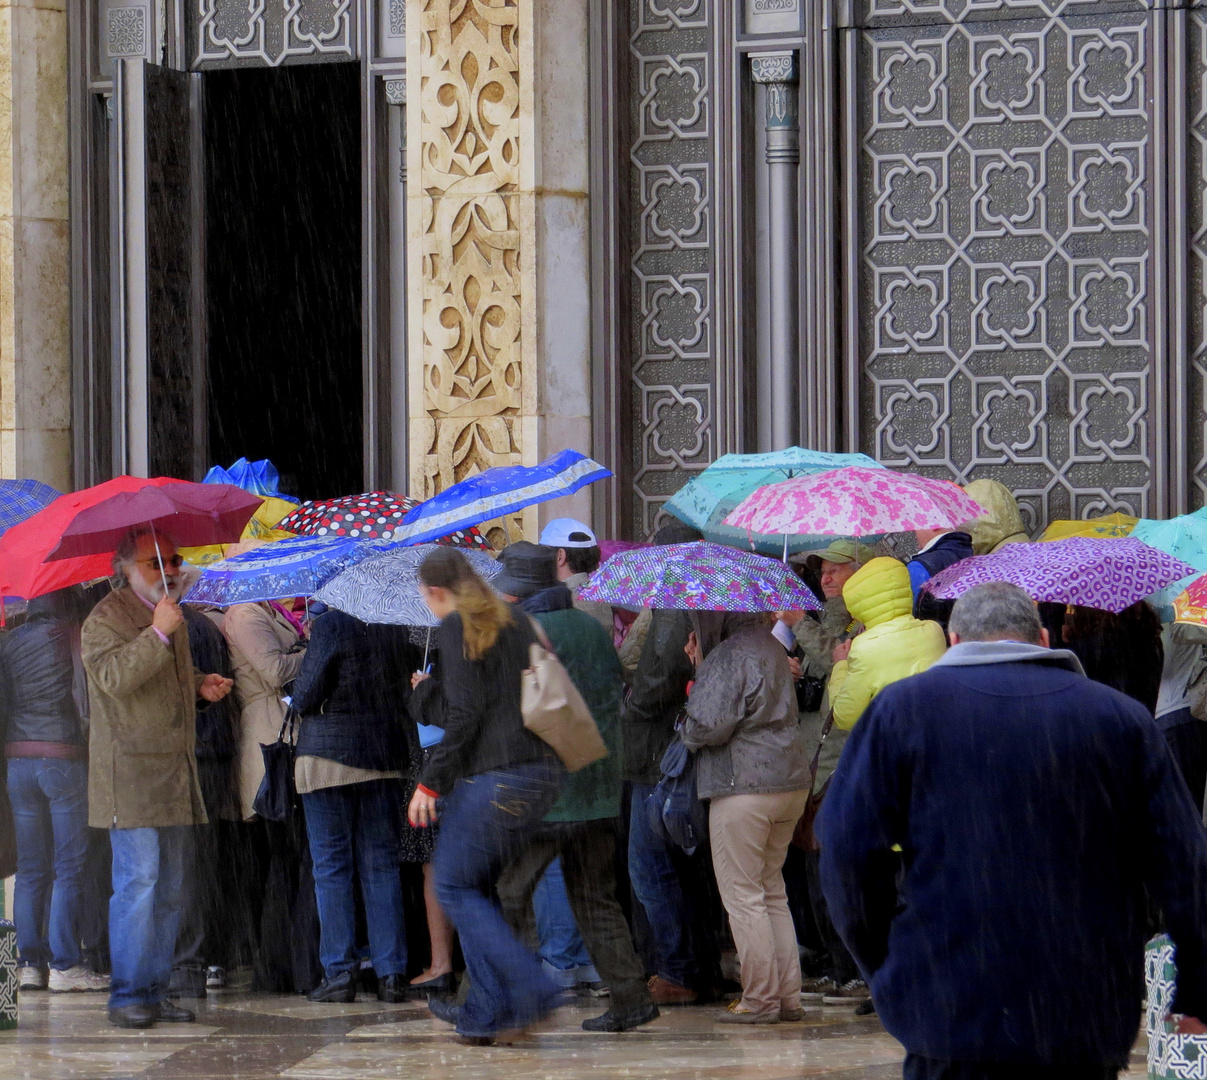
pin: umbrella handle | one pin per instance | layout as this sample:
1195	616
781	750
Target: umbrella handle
159	558
426	648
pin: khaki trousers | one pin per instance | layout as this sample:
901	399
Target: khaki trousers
750	835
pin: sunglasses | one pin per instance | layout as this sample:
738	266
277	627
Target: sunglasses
175	562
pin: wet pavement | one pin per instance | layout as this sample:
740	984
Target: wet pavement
237	1035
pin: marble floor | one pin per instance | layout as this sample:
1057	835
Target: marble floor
66	1037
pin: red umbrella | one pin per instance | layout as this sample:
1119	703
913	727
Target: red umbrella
24	547
192	515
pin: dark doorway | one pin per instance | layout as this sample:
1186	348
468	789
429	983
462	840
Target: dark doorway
283	266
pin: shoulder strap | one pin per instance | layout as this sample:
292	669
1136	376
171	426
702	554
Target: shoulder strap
826	728
541	636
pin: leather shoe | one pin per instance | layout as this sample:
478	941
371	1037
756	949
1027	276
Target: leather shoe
392	989
133	1016
445	985
171	1013
341	989
622	1021
444	1009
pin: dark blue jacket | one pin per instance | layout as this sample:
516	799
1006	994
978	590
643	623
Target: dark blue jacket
352	693
1034	809
38	672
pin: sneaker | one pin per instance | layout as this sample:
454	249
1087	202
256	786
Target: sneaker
816	989
849	993
77	980
665	992
592	990
31	978
215	978
736	1014
622	1021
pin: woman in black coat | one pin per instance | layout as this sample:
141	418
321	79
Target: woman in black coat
352	752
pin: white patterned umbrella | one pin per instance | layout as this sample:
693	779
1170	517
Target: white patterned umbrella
385	588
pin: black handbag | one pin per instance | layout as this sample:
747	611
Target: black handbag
278	793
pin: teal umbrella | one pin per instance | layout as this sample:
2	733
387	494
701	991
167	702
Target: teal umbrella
1184	537
705	500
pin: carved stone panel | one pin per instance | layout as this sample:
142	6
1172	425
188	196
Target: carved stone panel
1006	320
672	285
469	239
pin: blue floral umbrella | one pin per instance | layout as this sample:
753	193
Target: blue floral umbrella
21	499
497	492
298	566
705	500
385	588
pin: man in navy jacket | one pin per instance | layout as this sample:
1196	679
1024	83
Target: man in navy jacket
1035	811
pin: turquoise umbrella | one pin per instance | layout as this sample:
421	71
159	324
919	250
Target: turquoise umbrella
705	500
1184	537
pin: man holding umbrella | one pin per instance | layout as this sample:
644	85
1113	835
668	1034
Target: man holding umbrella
143	778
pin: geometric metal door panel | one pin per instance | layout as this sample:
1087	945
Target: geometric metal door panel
1011	279
1197	263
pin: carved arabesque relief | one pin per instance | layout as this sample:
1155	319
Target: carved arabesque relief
466	406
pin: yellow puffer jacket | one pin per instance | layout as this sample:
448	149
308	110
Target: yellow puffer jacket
894	646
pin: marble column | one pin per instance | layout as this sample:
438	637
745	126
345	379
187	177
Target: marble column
35	360
778	72
498	239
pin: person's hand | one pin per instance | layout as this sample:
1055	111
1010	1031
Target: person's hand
790	618
215	687
795	668
168	616
418	677
692	648
1190	1025
841	651
422	811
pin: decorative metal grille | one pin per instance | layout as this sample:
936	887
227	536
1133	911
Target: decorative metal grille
1007	252
903	12
671	233
273	32
1197	263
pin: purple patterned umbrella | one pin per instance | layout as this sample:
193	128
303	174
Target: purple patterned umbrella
704	576
1105	574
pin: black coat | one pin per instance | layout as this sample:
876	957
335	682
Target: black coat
38	671
659	693
217	736
352	693
483	726
1037	813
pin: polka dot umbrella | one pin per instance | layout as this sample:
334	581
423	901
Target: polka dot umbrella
373	515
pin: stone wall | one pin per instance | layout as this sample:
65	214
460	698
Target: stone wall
35	358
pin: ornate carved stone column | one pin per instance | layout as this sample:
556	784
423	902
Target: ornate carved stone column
778	72
498	236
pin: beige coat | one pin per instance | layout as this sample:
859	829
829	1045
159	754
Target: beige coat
143	696
265	656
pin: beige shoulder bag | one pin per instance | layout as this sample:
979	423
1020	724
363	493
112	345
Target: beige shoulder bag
555	711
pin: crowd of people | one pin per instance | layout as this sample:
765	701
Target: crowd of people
966	816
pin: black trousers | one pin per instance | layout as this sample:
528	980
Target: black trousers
842	965
587	850
920	1068
1188	744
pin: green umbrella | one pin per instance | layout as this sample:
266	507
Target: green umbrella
704	501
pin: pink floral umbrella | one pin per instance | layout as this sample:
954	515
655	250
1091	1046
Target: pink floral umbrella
855	501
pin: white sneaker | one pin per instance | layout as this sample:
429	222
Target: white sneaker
77	980
215	978
31	978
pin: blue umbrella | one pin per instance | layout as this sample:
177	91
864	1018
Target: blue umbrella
258	477
705	500
21	499
385	588
497	492
298	566
1184	537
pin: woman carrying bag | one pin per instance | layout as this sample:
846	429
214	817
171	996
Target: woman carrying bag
495	780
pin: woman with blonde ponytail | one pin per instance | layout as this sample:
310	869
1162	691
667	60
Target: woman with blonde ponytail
494	779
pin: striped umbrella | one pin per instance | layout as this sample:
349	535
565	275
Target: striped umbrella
385	588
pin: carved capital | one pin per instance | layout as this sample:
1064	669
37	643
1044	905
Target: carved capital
396	91
774	67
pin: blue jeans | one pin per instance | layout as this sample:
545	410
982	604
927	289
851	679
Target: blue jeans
657	886
562	946
356	828
144	913
484	825
49	797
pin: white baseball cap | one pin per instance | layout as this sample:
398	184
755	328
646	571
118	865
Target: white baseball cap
568	533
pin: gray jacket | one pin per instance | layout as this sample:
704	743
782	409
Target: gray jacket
817	638
743	719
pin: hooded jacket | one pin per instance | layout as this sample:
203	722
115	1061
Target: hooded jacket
894	646
742	714
1002	524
